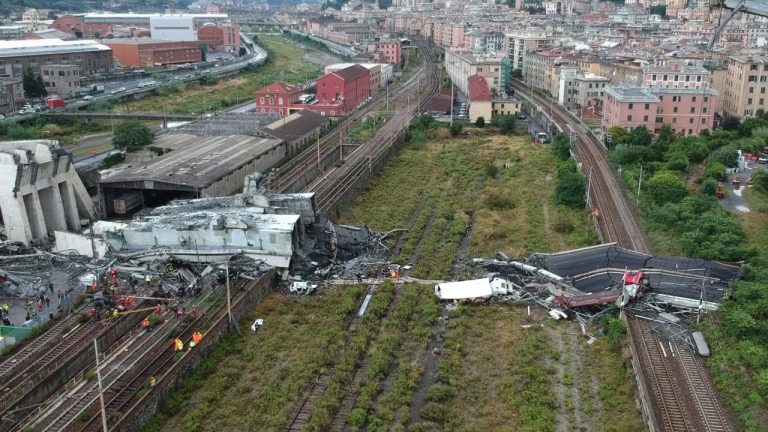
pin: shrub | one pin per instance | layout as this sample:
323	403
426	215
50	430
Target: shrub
480	122
727	156
715	170
561	146
434	412
440	393
665	186
709	187
563	226
456	129
497	200
357	417
571	188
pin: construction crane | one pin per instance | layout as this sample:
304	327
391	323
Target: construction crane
753	7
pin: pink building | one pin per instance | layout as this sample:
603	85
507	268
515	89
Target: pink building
687	110
389	52
629	107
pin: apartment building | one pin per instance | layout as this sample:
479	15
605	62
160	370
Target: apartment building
460	65
62	79
688	111
541	70
518	43
745	86
17	56
675	75
487	42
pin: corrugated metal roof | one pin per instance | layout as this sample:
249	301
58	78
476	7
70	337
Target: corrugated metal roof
32	47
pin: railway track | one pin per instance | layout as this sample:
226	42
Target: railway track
304	409
332	186
617	220
292	171
659	368
682	395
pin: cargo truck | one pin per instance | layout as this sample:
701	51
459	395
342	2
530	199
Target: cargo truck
127	203
92	89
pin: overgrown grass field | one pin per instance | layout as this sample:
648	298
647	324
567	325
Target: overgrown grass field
285	63
505	182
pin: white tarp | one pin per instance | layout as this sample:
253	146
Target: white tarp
477	288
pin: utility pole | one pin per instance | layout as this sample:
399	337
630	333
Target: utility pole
93	242
640	182
452	92
101	389
318	149
341	142
229	299
589	184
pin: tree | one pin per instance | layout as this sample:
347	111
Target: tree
709	187
203	51
561	146
619	135
760	180
640	136
571	187
660	10
242	51
131	135
730	123
750	124
665	186
505	123
480	122
41	91
727	156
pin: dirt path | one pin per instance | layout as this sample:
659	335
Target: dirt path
411	221
559	383
423	239
461	253
429	374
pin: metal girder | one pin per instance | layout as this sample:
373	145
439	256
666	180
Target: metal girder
753	7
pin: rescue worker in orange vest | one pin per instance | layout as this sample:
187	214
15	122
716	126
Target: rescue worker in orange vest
152	381
178	345
197	337
159	310
145	324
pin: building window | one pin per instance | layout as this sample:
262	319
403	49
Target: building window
647	107
704	110
645	118
629	117
631	106
674	109
690	120
706	98
674	120
693	110
693	99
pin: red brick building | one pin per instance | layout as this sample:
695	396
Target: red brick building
388	52
83	28
277	98
145	53
349	87
221	38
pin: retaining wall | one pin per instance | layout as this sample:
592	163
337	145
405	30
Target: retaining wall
148	404
645	399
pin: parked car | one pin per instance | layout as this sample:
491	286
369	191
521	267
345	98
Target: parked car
87	97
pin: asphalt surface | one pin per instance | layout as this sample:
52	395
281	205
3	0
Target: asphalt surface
601	268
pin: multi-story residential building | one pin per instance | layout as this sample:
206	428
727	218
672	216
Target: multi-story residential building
11	95
17	56
374	73
460	65
675	74
62	79
745	87
589	91
540	70
147	53
629	107
12	32
686	110
518	43
388	52
488	42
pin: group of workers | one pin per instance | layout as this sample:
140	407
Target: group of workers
178	344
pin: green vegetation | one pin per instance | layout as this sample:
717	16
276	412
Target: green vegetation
683	217
356	344
38	127
251	382
446	182
285	63
34	87
394	355
131	135
480	122
505	123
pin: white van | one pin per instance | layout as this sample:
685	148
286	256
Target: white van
542	137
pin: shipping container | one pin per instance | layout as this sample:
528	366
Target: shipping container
53	103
